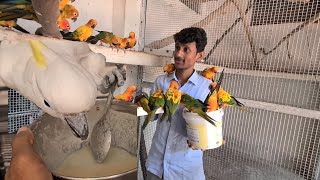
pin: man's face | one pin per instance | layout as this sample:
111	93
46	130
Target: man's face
185	55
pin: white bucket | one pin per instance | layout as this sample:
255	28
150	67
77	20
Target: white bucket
201	133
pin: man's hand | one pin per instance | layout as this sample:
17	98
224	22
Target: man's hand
26	163
193	147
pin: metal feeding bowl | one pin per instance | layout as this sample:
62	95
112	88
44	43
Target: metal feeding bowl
68	157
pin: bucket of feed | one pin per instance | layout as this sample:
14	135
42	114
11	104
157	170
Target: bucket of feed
69	157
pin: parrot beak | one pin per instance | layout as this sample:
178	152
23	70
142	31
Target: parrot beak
78	124
74	19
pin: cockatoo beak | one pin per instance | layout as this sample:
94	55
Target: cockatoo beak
78	124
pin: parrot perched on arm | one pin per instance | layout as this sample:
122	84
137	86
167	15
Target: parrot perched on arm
209	72
172	100
196	106
45	13
156	101
127	95
142	100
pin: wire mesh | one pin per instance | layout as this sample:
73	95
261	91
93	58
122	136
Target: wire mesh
270	52
21	111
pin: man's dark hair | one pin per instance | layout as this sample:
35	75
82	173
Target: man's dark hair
192	34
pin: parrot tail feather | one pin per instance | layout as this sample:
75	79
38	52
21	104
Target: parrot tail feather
148	118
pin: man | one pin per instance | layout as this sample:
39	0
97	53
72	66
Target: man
26	164
170	156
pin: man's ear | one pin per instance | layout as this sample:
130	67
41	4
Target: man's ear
200	55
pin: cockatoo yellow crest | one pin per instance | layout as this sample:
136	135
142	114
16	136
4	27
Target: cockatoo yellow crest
37	48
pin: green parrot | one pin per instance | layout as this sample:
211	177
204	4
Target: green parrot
196	106
103	36
142	101
172	100
156	101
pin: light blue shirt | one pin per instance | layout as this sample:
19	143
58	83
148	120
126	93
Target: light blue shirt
169	156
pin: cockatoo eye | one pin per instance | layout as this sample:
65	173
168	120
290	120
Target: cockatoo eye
46	103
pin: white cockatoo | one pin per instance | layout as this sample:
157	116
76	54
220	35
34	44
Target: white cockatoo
61	77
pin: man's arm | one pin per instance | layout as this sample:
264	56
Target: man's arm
26	163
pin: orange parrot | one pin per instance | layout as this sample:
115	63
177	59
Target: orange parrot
68	12
127	95
82	33
169	68
12	24
212	102
131	40
209	72
119	42
63	3
64	25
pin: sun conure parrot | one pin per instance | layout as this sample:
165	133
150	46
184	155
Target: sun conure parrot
127	95
156	101
64	25
212	98
172	100
120	43
142	100
169	68
63	3
196	106
103	36
69	12
47	13
82	33
13	24
209	72
131	40
227	99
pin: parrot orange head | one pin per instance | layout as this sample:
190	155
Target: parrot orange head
174	85
73	13
8	23
64	25
169	68
132	35
131	89
92	23
215	69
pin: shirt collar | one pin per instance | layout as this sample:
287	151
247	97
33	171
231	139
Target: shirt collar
193	79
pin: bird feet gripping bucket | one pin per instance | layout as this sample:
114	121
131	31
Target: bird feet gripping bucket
202	134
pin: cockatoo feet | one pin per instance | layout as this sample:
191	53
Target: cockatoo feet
118	74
